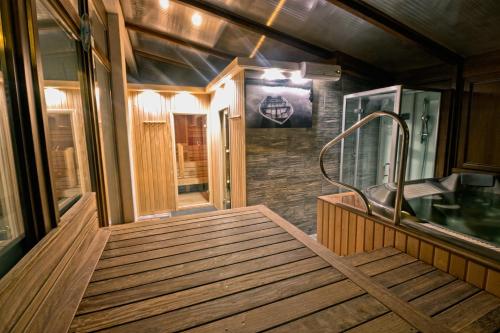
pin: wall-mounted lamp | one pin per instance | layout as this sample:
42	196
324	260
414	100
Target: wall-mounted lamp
185	102
196	19
296	77
54	97
150	101
164	4
273	74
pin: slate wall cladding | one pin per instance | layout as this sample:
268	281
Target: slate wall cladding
282	164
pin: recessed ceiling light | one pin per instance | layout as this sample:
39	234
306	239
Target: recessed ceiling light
196	19
164	4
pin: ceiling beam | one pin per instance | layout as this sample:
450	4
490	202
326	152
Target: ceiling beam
259	28
176	40
385	22
356	67
162	59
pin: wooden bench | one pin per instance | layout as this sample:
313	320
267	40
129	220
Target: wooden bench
190	172
42	292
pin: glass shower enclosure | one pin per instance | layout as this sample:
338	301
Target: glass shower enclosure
369	157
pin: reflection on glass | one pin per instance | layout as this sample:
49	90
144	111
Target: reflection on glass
11	224
192	166
370	155
66	144
366	154
99	32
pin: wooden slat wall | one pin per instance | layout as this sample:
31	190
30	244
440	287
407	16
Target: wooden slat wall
63	263
231	96
345	231
153	146
237	142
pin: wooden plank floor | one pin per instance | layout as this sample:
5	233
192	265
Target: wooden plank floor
248	270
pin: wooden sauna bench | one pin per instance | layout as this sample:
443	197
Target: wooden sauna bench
243	270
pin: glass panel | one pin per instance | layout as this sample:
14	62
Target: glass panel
366	155
108	143
11	223
420	109
99	32
67	146
192	165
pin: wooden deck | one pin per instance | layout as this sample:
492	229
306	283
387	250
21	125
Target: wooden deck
248	270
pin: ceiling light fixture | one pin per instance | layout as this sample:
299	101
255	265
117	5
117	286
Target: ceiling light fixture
196	19
273	74
164	4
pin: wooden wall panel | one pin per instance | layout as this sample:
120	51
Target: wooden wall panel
152	134
479	137
237	143
216	154
231	96
348	231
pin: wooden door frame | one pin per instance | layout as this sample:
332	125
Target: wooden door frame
174	154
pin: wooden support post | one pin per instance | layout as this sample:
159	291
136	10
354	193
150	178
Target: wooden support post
120	106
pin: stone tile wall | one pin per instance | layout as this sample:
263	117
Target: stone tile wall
282	164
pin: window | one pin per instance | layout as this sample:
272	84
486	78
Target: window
63	101
11	222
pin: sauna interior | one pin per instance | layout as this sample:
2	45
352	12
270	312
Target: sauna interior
249	166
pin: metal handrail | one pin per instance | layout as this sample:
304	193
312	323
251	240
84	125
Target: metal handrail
403	155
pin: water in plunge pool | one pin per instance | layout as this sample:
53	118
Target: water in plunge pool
472	213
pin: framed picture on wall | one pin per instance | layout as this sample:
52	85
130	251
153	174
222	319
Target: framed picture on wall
278	103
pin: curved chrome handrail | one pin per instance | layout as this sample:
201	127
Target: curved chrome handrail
403	155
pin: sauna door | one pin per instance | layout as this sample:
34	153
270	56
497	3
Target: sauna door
192	162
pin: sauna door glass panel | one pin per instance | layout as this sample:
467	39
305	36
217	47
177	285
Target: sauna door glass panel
191	156
64	113
108	143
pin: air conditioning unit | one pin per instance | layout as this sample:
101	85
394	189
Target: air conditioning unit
317	71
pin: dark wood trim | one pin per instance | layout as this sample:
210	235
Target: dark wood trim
441	168
176	40
66	15
437	76
163	59
354	66
96	165
486	63
258	27
35	208
38	130
383	21
455	118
